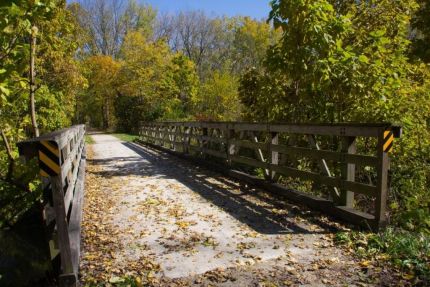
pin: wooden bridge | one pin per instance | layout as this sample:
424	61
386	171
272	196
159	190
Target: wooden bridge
341	169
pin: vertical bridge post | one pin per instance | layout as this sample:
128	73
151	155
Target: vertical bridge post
347	172
384	146
273	155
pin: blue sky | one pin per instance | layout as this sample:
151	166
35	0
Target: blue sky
258	9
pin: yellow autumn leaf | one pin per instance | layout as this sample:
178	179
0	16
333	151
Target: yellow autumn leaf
409	276
365	263
138	281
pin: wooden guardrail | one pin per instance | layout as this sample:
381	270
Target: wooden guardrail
61	157
348	164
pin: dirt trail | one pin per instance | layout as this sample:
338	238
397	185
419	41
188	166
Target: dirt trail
154	216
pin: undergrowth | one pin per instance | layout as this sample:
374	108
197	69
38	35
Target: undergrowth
126	137
408	252
89	139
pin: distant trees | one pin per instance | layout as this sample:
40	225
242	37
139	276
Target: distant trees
250	43
233	43
172	67
217	98
105	23
97	102
153	83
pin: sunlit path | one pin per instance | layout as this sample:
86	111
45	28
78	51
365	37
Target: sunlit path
151	214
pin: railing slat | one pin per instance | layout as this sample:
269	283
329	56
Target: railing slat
365	189
76	216
70	189
358	159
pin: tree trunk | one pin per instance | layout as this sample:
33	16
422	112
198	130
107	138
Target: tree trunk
33	81
107	113
103	117
9	156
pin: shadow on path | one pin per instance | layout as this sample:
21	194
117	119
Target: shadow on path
248	205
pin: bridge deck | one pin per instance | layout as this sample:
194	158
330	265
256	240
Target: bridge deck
152	214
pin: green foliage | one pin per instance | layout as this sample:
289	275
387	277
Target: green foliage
340	62
421	32
57	83
126	137
331	67
217	99
185	88
153	83
54	58
18	196
89	139
144	78
251	39
409	251
96	104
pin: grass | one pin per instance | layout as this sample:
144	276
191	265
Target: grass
89	139
125	137
408	251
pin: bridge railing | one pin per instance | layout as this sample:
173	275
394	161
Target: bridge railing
61	156
348	164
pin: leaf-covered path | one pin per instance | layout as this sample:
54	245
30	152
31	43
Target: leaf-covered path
166	222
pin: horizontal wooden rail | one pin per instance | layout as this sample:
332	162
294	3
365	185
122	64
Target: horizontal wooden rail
327	151
61	157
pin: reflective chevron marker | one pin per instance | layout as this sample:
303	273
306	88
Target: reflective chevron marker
49	158
388	141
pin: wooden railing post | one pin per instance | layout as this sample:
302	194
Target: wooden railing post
382	181
158	135
144	133
187	133
174	131
151	133
162	134
229	146
204	142
348	171
62	225
273	155
166	138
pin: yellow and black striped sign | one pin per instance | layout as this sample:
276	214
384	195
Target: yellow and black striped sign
388	141
49	158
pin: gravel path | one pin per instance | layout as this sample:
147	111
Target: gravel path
153	215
